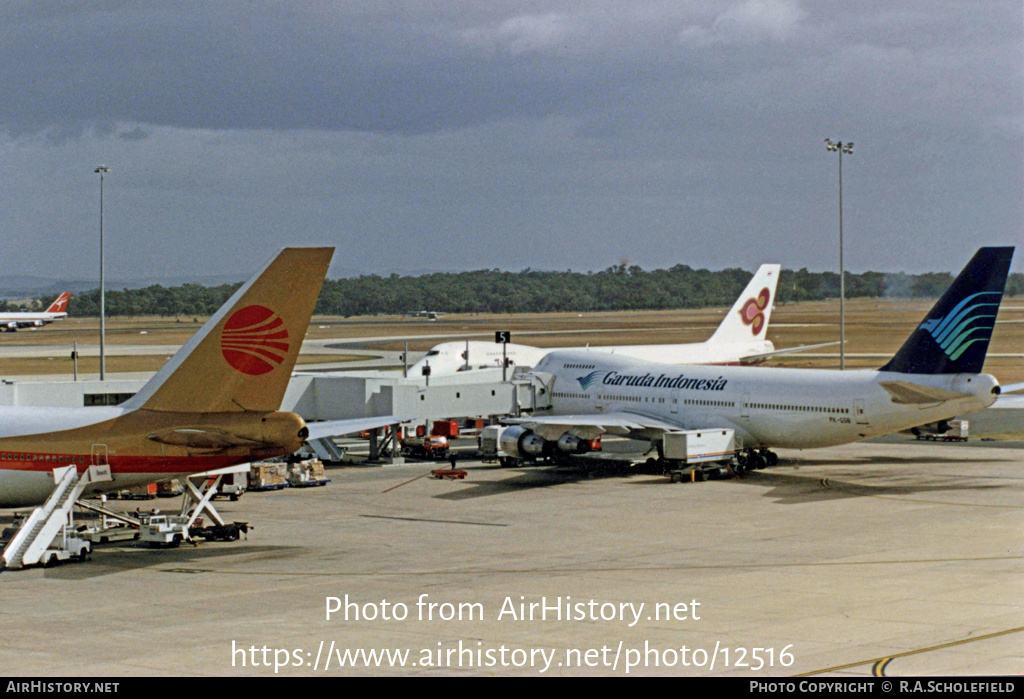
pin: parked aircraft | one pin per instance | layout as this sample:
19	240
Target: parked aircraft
739	339
58	310
934	376
429	315
216	403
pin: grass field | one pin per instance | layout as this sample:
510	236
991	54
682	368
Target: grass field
873	327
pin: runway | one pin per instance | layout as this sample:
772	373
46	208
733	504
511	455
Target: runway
893	557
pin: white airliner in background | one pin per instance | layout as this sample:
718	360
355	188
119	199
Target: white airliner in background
739	339
934	376
58	310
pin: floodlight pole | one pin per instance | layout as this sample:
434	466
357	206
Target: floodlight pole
841	148
102	170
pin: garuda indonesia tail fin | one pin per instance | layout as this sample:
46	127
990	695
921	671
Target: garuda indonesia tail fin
954	337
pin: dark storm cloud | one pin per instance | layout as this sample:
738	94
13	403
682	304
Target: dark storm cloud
417	67
582	132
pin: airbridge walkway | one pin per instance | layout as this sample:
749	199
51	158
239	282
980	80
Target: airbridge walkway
325	395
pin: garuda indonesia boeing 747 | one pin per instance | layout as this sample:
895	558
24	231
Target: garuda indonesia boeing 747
935	375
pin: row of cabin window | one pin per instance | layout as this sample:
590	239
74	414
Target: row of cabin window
724	404
10	456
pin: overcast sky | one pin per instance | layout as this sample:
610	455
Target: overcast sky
470	134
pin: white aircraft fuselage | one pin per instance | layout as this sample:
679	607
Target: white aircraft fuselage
449	357
767	407
741	336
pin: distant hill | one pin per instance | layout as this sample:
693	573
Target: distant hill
17	287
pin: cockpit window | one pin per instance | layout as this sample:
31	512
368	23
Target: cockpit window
433	353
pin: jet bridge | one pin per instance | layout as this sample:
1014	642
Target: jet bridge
478	394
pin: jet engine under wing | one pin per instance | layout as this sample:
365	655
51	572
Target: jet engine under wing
336	428
622	424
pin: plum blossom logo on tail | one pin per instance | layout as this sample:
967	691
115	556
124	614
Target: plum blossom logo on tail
254	340
752	312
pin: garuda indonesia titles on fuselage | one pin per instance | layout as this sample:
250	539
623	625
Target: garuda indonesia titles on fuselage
934	376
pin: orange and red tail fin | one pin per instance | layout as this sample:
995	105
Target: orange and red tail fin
61	304
242	358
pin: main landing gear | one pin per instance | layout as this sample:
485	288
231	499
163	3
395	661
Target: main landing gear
751	460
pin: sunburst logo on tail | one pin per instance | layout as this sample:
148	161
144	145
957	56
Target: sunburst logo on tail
254	340
752	312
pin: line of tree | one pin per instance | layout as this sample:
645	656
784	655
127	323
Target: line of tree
617	288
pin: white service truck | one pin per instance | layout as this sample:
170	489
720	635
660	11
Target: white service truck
163	530
490	445
699	454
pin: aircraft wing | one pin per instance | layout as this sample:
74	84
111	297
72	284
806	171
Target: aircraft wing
207	438
758	358
1012	388
336	428
622	424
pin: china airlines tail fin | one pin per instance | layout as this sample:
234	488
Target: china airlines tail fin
954	337
242	358
747	320
61	304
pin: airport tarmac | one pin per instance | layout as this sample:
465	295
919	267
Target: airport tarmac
888	557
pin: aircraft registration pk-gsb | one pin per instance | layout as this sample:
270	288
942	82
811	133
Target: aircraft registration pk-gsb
215	403
934	376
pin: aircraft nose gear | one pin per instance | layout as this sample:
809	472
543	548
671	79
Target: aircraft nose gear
770	457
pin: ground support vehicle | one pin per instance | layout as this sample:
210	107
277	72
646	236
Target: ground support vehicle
221	532
490	446
158	529
428	447
957	432
449	473
696	455
47	535
66	548
269	475
307	474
